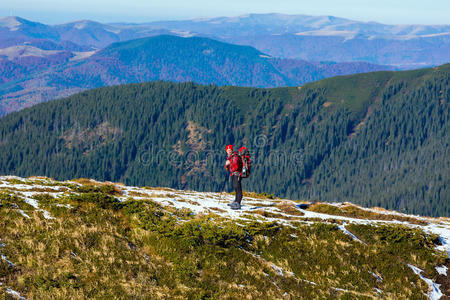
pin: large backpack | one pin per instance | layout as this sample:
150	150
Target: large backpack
246	162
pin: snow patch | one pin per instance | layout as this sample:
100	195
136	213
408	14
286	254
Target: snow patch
390	212
310	282
443	231
35	204
5	259
24	214
378	277
316	215
344	230
11	177
47	215
341	290
442	270
278	269
2	245
378	291
434	293
184	34
32	202
64	205
15	294
30	186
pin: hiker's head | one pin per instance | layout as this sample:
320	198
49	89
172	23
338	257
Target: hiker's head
229	149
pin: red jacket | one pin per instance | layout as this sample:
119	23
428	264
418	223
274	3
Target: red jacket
235	163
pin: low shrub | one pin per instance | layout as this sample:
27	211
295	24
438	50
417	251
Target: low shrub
90	188
13	201
100	199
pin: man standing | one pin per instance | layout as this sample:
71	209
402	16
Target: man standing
234	165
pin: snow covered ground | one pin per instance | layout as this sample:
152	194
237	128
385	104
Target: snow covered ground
201	202
209	202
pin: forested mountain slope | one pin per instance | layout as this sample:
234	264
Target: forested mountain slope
374	139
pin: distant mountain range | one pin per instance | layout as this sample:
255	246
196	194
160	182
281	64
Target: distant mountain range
278	24
41	62
323	38
327	38
31	75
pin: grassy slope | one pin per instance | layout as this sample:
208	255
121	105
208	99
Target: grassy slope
357	92
99	247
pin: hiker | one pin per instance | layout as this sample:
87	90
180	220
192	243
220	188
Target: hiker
234	165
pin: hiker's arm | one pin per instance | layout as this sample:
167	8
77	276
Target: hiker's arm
227	164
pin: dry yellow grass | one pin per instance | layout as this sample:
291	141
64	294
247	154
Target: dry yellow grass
289	208
269	214
137	194
41	178
217	209
353	211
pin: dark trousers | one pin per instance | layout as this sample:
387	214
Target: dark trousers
236	180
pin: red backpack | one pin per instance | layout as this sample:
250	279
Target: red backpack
246	162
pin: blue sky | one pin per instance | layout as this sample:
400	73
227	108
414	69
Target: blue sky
383	11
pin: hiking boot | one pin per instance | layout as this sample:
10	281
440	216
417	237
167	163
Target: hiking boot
235	205
231	203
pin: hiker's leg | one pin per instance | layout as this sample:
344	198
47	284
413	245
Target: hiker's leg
238	190
235	182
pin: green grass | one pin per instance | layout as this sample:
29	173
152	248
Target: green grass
410	245
354	92
358	92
